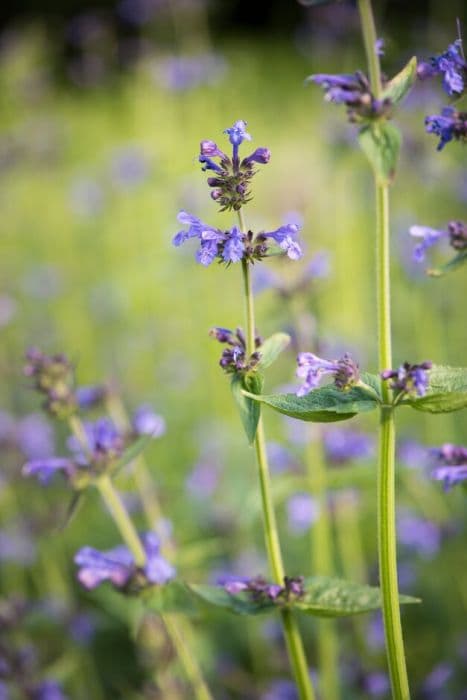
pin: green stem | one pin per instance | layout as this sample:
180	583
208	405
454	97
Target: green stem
386	451
322	563
291	630
175	630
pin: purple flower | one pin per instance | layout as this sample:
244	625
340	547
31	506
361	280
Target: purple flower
281	690
117	565
45	468
429	237
237	133
261	591
437	680
377	684
302	511
450	464
34	436
343	445
233	359
448	125
419	535
284	237
234	247
90	396
48	690
379	47
375	631
203	479
451	65
354	91
105	443
311	368
147	422
409	379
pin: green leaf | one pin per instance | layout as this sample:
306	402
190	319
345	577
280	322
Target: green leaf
249	409
373	381
333	597
457	261
272	348
174	596
324	405
381	144
241	604
132	452
324	597
397	88
447	391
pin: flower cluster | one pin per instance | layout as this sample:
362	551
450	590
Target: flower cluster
409	379
233	245
233	359
53	377
260	591
354	91
450	124
311	368
232	175
451	65
117	565
456	233
450	464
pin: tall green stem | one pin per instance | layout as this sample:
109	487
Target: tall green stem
291	630
386	450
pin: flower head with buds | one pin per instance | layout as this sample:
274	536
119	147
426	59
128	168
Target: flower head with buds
353	90
232	246
455	232
451	65
117	565
450	464
311	368
260	591
232	176
449	125
409	379
53	377
233	359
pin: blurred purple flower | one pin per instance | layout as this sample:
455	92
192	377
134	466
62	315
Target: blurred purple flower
411	453
44	469
138	12
448	125
281	690
418	535
377	684
302	511
344	445
147	422
117	565
82	628
129	167
437	680
375	631
280	458
90	396
186	72
203	479
103	439
35	436
17	546
48	690
450	464
451	65
379	47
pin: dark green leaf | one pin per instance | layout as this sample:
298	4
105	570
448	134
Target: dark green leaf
249	409
132	452
174	596
333	597
447	391
381	144
457	261
240	603
272	348
397	88
373	381
324	405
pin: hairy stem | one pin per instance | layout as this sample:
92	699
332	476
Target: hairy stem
386	450
291	630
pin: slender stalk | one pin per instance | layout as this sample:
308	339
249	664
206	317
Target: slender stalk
291	630
386	451
175	629
322	563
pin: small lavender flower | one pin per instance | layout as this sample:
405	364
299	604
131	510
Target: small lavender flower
117	565
302	511
44	469
418	534
260	591
456	232
232	176
89	397
451	65
353	90
409	379
448	125
311	368
233	359
48	690
450	464
344	445
147	422
203	479
104	442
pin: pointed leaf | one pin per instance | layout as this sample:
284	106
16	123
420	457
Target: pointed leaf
249	409
333	597
457	261
174	596
74	506
242	604
447	391
373	381
381	144
397	88
132	452
324	405
272	348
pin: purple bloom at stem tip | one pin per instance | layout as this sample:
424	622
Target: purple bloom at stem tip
409	379
237	133
451	64
311	368
117	565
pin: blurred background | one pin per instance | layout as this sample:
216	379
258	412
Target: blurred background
102	108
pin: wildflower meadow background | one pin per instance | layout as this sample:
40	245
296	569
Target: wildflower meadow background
102	112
